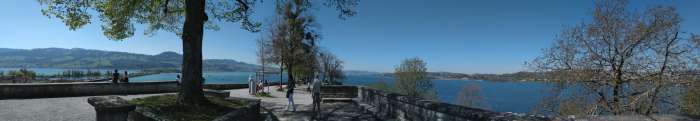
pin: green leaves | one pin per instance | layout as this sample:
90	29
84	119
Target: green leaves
412	79
119	16
73	13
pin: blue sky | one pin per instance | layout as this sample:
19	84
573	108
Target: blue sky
466	36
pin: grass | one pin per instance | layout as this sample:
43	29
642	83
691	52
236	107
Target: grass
264	94
166	106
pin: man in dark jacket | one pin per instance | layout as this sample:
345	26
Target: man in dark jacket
115	76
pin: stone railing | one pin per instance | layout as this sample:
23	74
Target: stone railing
225	86
397	106
47	90
338	91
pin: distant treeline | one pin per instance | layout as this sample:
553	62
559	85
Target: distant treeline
518	76
25	75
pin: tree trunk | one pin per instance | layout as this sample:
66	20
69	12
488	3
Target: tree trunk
290	77
280	85
191	88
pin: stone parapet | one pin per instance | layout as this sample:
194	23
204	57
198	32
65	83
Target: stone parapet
48	90
396	106
111	108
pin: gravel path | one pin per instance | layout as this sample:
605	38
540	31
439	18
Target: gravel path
51	109
339	111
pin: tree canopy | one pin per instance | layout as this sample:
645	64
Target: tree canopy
186	18
623	61
412	79
119	16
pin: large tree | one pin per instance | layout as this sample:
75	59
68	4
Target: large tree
622	61
293	40
186	18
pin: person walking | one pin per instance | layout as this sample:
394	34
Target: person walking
115	76
290	95
316	97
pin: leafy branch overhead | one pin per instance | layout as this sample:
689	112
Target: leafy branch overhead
119	16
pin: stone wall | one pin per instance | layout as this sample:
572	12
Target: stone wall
338	91
396	106
225	86
48	90
250	112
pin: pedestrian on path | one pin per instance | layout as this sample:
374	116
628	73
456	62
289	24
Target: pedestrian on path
316	95
290	96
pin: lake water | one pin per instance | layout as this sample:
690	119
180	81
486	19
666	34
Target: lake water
518	97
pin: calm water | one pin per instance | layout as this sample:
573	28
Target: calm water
499	96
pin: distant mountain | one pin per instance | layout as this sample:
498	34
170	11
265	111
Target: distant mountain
517	76
88	58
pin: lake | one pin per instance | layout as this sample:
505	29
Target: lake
518	97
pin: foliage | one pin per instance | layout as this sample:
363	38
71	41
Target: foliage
691	100
412	80
23	73
118	16
166	106
186	18
623	61
292	39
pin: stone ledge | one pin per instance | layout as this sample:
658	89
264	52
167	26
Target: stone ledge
407	108
48	90
111	108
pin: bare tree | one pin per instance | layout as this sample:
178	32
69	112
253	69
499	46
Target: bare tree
331	68
264	53
470	96
620	62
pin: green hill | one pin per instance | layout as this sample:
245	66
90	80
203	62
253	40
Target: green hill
99	59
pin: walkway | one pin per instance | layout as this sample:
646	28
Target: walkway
51	109
77	108
274	107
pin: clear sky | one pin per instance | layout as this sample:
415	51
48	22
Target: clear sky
466	36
